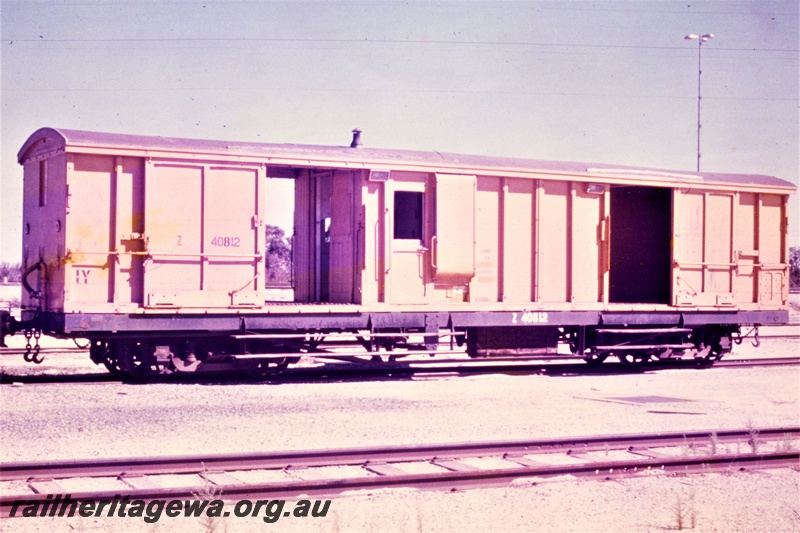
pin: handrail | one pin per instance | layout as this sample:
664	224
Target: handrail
165	254
390	226
709	264
703	263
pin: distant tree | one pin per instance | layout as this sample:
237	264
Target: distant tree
279	255
794	267
11	272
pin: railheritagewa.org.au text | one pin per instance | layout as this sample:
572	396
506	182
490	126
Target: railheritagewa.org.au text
152	511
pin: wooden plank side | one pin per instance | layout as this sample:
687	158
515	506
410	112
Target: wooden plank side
91	228
552	241
173	209
372	275
46	229
772	279
718	241
454	248
587	245
485	285
744	247
129	282
230	207
688	219
517	238
343	260
770	238
303	250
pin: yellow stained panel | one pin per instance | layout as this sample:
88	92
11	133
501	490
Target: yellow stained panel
89	229
484	286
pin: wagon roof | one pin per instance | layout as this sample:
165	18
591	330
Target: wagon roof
365	157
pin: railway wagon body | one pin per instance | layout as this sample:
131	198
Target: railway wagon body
153	248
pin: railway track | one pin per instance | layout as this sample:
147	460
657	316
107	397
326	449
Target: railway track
424	369
758	362
441	466
47	351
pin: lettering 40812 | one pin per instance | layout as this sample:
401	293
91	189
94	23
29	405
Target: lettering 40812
226	242
529	317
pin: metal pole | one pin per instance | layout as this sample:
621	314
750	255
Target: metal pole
699	97
700	40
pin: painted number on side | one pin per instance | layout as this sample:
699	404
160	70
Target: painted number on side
226	242
529	317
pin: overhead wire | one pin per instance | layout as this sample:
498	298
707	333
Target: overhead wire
367	40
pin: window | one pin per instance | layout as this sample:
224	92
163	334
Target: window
42	183
408	215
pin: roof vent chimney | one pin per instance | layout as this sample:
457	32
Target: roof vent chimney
356	139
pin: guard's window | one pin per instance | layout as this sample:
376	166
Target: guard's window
42	183
408	215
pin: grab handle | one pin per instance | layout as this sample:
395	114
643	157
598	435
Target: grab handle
38	265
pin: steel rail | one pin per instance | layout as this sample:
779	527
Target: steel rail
42	350
343	368
448	478
757	362
555	361
357	456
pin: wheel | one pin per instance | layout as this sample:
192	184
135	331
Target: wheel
713	347
112	367
101	353
273	367
131	359
659	356
720	346
633	358
714	355
595	358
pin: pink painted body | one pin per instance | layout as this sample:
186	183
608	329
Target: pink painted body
152	225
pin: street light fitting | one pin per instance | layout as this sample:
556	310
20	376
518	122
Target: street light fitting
703	38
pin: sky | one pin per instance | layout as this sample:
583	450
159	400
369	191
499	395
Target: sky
589	81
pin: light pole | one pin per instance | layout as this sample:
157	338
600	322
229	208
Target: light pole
700	40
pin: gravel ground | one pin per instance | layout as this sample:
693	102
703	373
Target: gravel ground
44	422
114	419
